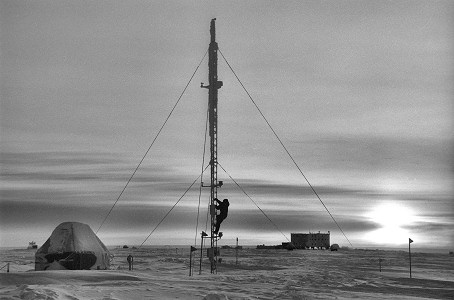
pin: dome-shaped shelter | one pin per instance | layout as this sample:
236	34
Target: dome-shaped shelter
72	246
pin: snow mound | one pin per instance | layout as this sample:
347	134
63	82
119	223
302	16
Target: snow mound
215	297
36	292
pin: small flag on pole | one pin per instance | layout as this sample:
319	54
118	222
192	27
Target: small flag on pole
409	252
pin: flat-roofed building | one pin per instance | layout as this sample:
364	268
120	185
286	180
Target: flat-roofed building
311	240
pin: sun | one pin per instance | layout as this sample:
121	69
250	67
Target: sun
392	215
393	218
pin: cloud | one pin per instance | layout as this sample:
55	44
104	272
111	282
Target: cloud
293	221
78	166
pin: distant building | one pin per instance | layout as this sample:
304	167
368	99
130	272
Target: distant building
311	240
263	246
284	245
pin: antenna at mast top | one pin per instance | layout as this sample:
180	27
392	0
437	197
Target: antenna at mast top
213	30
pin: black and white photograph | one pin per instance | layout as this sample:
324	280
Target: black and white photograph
210	150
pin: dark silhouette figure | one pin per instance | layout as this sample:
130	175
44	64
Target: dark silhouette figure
130	260
223	208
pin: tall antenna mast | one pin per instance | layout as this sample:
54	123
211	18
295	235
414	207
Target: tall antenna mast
213	87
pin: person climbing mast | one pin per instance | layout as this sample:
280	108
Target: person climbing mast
223	208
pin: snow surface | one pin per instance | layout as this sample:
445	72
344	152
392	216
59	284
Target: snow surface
163	273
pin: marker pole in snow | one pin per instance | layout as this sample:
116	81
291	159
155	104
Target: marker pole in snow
190	259
201	252
409	252
190	263
236	251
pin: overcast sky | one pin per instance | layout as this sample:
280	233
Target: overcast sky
360	92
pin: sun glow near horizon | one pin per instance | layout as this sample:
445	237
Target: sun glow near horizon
393	219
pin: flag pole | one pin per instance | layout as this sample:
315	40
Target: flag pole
409	252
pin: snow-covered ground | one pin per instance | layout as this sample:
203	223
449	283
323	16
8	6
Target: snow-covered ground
163	273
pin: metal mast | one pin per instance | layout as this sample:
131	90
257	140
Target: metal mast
213	87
